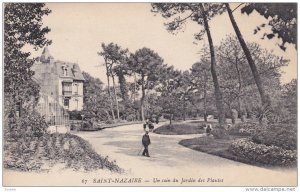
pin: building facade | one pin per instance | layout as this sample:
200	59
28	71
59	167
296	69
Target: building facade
61	87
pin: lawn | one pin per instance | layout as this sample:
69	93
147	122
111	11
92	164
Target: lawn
218	147
275	145
180	129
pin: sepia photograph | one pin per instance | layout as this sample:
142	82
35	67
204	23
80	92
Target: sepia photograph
165	94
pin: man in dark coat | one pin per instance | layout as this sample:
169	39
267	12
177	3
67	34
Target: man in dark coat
151	126
146	141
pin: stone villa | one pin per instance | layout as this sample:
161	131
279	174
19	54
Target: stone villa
61	88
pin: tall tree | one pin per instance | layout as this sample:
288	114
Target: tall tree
238	85
22	26
234	71
289	97
282	17
202	82
147	64
95	99
265	99
108	69
121	70
169	98
201	13
113	55
185	92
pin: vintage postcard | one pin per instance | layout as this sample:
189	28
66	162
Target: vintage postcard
150	94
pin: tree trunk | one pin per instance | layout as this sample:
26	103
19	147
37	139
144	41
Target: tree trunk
134	86
107	113
142	111
218	93
116	99
171	116
184	112
240	85
142	99
146	101
266	103
109	94
123	87
205	95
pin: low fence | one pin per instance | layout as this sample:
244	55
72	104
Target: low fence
53	112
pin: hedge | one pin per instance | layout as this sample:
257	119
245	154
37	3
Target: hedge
280	135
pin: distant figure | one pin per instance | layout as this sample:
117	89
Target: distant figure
228	126
156	120
151	126
208	129
146	141
148	126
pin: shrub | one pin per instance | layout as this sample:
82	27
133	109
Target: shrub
243	115
263	154
121	121
280	135
109	121
245	128
72	127
131	117
86	125
234	116
30	124
75	115
219	132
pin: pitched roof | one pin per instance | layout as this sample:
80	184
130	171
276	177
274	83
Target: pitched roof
67	69
60	68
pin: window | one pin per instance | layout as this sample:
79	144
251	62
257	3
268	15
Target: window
76	101
76	89
66	72
66	102
18	109
66	88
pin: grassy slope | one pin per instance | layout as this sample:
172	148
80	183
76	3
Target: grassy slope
42	153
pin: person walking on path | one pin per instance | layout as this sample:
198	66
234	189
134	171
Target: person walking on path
146	125
146	142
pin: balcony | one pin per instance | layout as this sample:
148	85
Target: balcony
67	93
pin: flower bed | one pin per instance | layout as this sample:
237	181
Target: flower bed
42	153
263	154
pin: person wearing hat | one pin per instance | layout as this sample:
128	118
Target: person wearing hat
146	142
146	125
150	125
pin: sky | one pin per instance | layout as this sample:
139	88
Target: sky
78	29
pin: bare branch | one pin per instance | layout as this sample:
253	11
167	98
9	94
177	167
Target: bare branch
237	7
